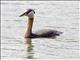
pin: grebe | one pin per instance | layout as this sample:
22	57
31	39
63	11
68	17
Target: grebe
42	33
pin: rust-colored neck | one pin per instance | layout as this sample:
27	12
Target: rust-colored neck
30	24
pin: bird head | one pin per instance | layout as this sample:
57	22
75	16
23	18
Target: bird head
30	13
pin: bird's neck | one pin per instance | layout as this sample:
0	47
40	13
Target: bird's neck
30	24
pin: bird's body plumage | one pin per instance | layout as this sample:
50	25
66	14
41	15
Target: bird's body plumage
44	33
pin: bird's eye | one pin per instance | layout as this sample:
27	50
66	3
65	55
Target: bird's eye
34	12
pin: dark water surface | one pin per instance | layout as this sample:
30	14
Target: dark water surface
61	16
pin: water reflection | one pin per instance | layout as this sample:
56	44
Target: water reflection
29	48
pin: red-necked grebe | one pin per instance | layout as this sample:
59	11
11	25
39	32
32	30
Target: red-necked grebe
42	33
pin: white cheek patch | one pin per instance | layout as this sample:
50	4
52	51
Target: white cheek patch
30	14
